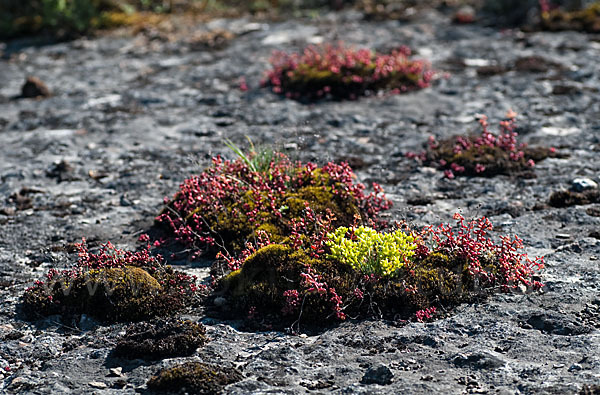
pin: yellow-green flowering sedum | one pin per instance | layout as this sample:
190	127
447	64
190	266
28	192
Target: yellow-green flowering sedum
372	252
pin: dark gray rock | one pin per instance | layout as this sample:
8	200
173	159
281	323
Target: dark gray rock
379	374
479	360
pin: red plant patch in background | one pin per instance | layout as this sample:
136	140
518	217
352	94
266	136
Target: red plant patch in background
339	72
483	155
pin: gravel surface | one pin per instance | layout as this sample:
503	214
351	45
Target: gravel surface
130	117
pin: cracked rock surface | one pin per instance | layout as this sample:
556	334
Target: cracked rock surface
131	117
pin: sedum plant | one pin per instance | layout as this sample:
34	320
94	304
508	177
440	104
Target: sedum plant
484	155
369	251
233	202
340	72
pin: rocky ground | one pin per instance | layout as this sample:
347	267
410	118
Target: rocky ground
131	116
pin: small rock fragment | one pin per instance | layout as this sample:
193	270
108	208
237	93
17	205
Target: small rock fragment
34	88
464	15
115	372
379	374
97	384
563	236
583	184
120	383
61	171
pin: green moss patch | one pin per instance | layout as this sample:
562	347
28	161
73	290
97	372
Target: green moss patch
194	378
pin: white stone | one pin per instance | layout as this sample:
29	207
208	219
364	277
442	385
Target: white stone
583	184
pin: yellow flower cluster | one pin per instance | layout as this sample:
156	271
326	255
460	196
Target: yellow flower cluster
372	252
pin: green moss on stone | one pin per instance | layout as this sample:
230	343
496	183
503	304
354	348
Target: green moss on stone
194	378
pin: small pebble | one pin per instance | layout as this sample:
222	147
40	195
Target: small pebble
97	384
115	372
583	184
34	87
563	236
465	14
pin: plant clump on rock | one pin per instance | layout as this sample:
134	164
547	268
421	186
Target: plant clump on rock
359	272
161	338
339	72
112	285
484	155
194	378
235	202
302	243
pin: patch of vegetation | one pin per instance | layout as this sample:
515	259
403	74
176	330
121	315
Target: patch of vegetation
440	268
369	251
112	285
485	155
72	18
194	378
339	72
586	19
61	17
163	338
568	198
305	244
264	195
